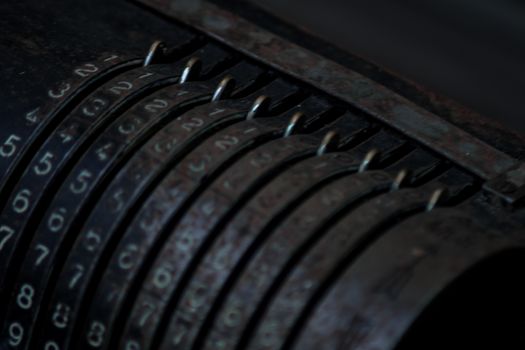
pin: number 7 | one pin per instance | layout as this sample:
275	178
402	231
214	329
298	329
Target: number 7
9	233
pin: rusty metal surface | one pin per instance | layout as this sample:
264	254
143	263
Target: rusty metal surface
377	300
294	290
192	176
427	128
242	298
483	127
227	194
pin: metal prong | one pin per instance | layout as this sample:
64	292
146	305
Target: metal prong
295	120
369	158
400	180
158	47
436	198
330	141
190	70
224	89
261	104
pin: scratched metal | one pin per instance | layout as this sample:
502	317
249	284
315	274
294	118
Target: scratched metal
416	122
419	258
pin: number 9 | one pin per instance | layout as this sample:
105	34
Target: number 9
16	333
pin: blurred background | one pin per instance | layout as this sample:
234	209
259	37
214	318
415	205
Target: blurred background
470	50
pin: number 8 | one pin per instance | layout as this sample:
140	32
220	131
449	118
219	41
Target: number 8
25	297
96	333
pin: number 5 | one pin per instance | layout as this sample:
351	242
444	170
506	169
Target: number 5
81	184
44	165
9	147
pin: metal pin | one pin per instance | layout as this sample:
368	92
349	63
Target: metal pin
436	198
330	141
400	180
158	47
190	70
369	158
261	104
295	120
224	89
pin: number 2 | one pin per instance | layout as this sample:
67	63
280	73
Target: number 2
86	70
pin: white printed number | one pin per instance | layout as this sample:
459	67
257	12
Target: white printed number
51	345
120	87
95	337
162	277
60	92
95	106
32	116
226	142
81	182
6	234
79	272
194	123
9	147
21	201
16	333
61	315
125	260
56	220
44	165
44	252
25	297
92	241
86	70
132	345
156	105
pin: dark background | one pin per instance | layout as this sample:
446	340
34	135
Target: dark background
470	50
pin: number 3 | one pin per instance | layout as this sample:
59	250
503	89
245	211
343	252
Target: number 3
61	91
